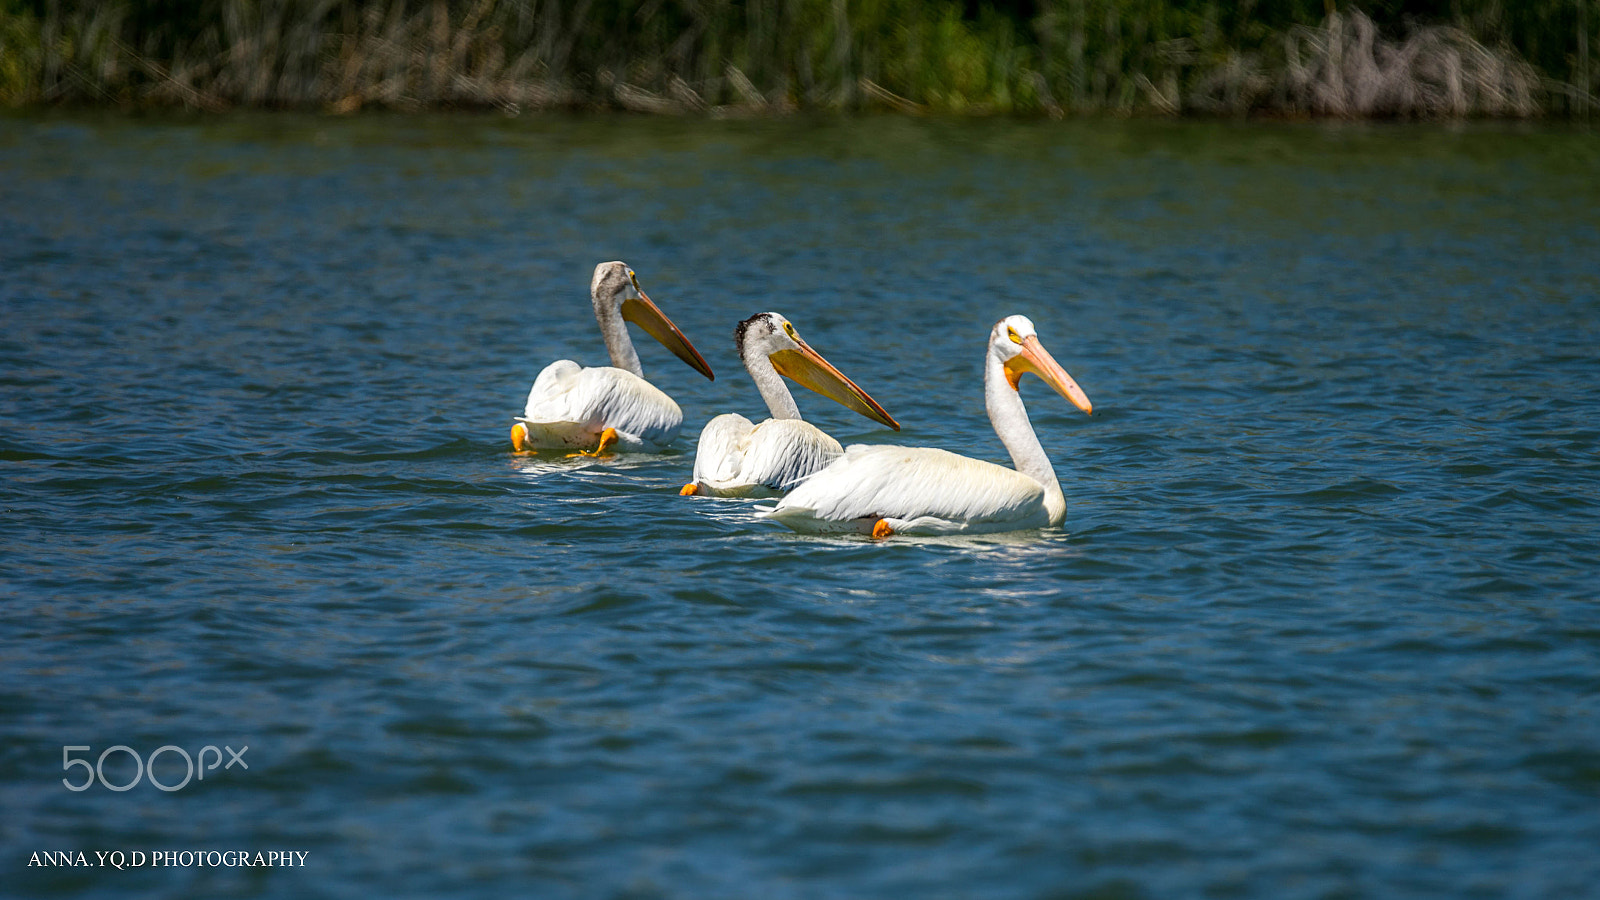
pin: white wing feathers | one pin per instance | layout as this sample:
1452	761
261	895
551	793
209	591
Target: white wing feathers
783	452
917	490
718	457
551	390
736	457
567	398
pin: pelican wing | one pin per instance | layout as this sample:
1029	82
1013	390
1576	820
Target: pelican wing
918	490
737	458
720	453
783	452
566	397
550	399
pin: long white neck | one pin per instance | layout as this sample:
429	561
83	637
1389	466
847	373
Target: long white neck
615	332
1010	421
779	401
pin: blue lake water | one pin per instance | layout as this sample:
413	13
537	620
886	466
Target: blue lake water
1322	620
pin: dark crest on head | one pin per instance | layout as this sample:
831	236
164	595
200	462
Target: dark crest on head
744	327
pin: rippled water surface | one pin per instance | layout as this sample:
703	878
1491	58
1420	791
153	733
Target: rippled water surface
1321	621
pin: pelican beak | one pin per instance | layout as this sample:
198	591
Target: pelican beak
648	316
1034	358
808	369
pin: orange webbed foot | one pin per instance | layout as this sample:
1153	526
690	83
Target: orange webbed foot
881	530
689	490
607	438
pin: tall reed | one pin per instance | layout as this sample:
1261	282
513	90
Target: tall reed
1294	57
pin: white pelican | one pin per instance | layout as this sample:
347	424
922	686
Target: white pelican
738	459
918	490
592	409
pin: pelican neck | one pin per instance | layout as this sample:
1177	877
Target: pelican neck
1010	420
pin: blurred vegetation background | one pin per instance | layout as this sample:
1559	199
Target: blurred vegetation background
1403	58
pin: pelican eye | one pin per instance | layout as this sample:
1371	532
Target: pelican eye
633	278
1012	333
789	330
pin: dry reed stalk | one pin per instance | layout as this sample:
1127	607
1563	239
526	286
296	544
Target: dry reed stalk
685	96
640	100
1344	68
748	95
1047	101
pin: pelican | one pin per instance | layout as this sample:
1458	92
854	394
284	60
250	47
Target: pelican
738	459
592	410
919	490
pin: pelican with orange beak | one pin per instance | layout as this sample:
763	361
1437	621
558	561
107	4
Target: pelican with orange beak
736	458
597	409
886	490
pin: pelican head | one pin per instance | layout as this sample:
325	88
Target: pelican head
616	295
1015	343
770	335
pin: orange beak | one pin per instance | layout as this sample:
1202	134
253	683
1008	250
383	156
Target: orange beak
655	323
1034	358
808	369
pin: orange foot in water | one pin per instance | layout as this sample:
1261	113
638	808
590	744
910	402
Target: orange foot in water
881	530
688	490
607	438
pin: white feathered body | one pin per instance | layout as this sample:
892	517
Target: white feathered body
736	458
917	490
569	406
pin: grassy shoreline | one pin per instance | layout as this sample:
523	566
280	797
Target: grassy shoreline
1294	58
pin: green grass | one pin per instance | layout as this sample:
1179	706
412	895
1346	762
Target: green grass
1028	57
